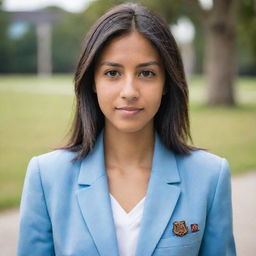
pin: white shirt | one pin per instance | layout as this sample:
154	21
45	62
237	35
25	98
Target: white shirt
127	226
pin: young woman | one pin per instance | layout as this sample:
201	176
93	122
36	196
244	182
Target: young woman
127	183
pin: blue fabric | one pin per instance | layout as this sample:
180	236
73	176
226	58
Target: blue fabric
66	208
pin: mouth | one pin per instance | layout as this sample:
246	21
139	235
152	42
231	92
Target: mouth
129	111
129	108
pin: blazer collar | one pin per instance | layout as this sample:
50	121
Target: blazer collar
162	195
93	166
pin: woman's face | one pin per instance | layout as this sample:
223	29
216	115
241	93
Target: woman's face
129	81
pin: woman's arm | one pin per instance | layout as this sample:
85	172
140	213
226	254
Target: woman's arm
218	236
35	235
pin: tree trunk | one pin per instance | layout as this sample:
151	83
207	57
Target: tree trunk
44	61
220	58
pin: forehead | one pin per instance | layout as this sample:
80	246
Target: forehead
130	46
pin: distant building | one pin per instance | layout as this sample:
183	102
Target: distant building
42	20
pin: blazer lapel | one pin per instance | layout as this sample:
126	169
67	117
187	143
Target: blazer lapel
161	198
93	198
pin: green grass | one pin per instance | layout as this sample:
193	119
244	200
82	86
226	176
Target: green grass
228	132
36	114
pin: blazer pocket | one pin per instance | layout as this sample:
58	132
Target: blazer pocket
174	241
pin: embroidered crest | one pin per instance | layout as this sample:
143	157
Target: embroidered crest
194	227
180	228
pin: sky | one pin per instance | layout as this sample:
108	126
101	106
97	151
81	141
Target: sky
69	5
30	5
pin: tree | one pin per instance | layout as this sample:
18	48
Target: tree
220	58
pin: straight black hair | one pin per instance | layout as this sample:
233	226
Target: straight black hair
172	119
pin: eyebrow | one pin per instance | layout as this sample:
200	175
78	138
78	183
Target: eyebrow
113	64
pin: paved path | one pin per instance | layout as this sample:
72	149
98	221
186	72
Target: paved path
244	211
9	222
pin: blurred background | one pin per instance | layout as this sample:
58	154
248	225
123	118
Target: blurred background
40	42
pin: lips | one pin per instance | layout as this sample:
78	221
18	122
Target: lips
129	108
129	111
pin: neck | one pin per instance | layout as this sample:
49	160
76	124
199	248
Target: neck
128	150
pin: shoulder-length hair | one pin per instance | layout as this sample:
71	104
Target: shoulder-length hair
172	119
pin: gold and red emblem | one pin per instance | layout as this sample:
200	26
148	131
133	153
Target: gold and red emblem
180	228
194	227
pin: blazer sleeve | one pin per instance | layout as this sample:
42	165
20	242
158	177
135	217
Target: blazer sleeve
35	234
218	235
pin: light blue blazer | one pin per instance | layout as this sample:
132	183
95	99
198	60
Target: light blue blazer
66	208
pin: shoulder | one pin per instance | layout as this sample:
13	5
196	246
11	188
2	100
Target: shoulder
57	157
203	165
201	158
54	164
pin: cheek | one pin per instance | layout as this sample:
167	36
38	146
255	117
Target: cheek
105	98
102	100
154	100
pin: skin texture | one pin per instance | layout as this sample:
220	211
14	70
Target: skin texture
129	73
129	85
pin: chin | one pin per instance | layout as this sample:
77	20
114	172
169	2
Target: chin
130	128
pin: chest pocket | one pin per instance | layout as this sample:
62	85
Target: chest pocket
176	246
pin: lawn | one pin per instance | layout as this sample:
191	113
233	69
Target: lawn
36	114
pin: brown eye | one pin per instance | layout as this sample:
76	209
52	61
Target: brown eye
147	73
112	74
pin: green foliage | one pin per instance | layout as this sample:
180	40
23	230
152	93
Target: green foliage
169	10
23	52
247	36
4	42
66	43
17	54
247	23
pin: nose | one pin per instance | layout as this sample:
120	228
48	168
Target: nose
129	90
